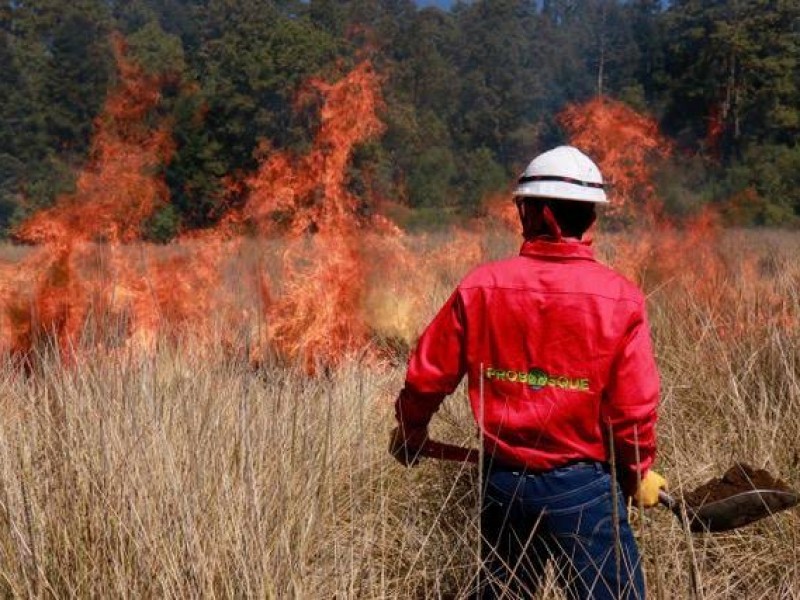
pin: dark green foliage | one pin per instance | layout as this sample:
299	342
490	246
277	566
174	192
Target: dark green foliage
11	171
157	51
481	175
736	66
501	83
250	63
195	174
56	63
771	175
163	225
470	94
430	176
69	47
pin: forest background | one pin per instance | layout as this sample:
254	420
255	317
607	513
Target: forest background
471	94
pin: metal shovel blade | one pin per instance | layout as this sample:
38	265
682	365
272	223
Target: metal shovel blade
734	511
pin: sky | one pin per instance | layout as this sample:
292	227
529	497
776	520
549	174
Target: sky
446	4
443	4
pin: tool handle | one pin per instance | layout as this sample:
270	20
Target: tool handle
667	500
441	451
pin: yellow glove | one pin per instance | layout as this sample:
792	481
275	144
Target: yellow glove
647	493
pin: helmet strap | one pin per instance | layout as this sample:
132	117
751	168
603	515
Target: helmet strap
538	220
551	223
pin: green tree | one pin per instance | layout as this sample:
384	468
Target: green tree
499	63
734	73
235	67
56	64
647	26
157	51
251	60
13	119
764	187
76	37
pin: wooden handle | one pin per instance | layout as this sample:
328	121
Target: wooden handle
441	451
667	500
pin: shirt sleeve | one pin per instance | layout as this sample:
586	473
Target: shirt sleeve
630	402
436	366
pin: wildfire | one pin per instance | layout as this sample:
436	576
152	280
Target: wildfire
317	316
625	145
50	292
658	252
90	263
300	269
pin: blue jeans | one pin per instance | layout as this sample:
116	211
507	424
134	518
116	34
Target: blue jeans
564	515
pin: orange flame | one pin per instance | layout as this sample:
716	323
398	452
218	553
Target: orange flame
625	145
628	148
90	260
322	277
318	317
115	193
660	253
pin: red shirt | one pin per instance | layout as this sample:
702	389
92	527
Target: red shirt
563	348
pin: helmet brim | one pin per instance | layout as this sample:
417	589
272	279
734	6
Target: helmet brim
561	190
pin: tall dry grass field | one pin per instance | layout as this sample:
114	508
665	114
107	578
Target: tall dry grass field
192	474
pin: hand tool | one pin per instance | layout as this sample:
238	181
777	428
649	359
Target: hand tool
731	512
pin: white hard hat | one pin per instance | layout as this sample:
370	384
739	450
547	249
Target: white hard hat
563	173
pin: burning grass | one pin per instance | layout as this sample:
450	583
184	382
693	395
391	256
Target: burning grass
190	472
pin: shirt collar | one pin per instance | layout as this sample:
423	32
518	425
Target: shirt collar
570	248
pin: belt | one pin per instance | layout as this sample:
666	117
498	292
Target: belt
496	465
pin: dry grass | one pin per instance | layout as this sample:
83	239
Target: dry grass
183	476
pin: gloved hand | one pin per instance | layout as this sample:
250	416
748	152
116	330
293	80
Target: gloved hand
647	493
405	443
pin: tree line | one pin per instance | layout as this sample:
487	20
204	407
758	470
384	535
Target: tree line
471	94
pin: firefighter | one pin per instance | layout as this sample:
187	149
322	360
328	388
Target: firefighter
562	382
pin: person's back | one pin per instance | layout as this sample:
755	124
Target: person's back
561	375
545	327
